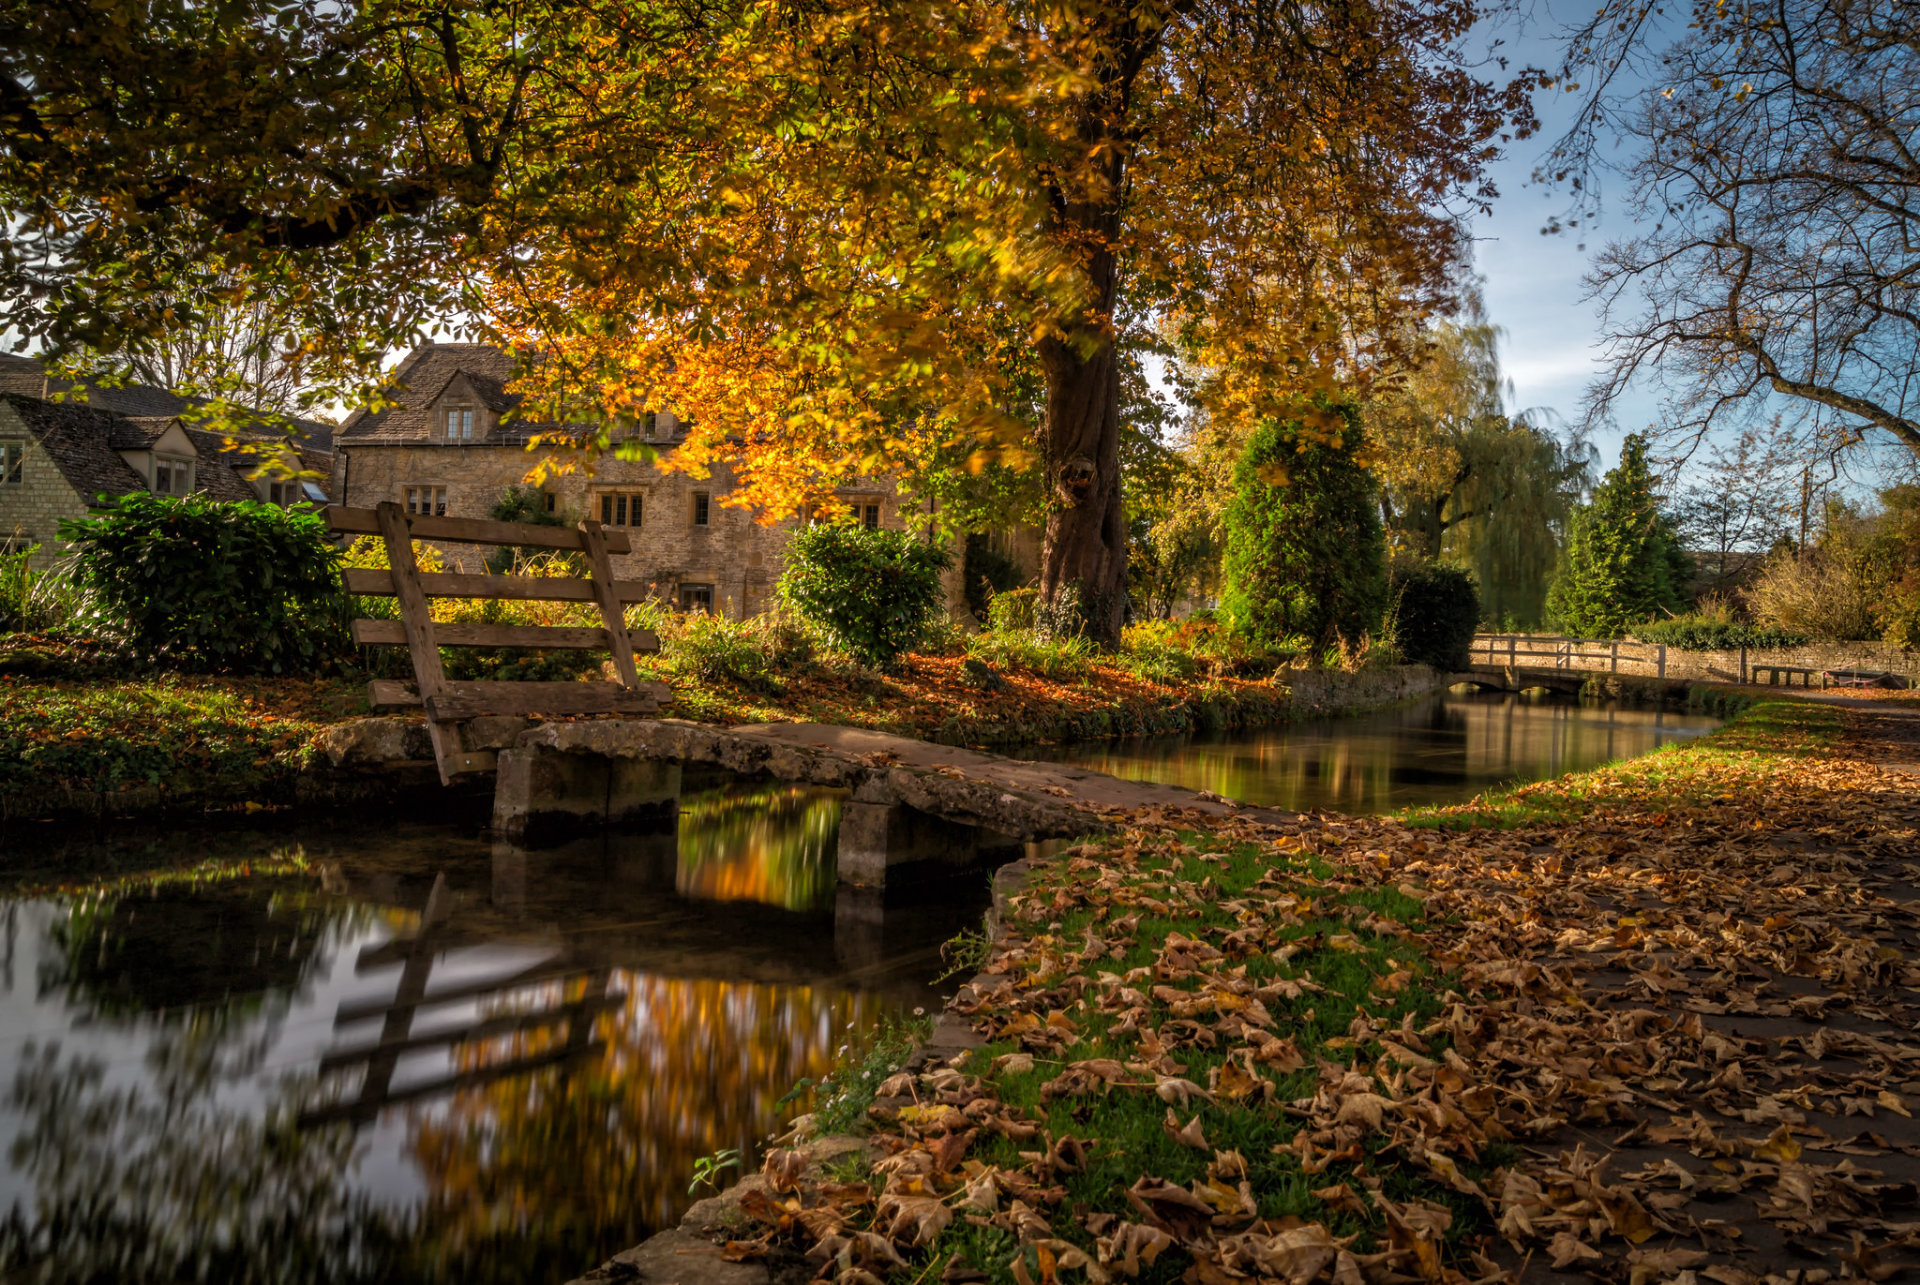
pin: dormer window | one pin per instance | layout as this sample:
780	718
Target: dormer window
172	475
460	424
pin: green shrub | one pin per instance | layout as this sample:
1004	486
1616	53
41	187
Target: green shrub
1434	611
197	584
1305	550
1012	611
871	593
715	649
526	504
1691	634
1159	651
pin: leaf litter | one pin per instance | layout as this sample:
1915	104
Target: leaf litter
1669	1036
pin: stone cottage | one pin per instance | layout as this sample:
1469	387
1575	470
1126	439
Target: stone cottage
58	457
450	446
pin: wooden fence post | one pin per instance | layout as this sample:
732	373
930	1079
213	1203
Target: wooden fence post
1615	662
1663	660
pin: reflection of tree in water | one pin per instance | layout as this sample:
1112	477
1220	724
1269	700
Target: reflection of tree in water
156	1182
597	1153
135	1185
176	946
773	844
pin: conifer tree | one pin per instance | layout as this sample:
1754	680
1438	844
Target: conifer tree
1622	564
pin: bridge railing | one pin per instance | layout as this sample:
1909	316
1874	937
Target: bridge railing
1554	651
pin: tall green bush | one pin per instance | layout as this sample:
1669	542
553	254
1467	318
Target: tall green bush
1434	610
1622	563
871	593
1305	552
192	583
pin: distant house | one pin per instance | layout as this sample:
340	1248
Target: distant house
58	457
452	447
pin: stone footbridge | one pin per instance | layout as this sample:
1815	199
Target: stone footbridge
908	802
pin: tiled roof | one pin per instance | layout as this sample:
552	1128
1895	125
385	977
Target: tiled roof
220	473
76	439
418	382
149	406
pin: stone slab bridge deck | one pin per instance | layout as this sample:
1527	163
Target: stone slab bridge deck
908	801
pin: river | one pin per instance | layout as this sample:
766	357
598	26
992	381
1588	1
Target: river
336	1049
1443	750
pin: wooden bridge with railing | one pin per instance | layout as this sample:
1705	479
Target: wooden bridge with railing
1521	662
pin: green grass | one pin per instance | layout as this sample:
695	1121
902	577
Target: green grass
1765	737
1348	942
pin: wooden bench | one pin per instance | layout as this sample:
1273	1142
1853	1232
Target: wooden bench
1775	674
1862	678
449	705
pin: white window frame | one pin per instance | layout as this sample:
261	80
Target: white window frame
13	462
680	597
171	466
424	501
458	425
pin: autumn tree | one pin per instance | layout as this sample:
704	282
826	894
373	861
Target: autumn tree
1740	501
928	209
1778	153
1463	480
841	235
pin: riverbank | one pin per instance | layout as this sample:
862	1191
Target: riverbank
1647	1020
106	745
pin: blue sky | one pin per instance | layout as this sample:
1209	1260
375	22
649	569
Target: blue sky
1534	290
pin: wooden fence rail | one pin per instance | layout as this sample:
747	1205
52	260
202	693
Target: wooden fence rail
1522	651
449	704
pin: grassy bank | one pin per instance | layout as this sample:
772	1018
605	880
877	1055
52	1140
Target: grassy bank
1370	1049
81	735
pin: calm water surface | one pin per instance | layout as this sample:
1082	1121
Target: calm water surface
1441	751
410	1054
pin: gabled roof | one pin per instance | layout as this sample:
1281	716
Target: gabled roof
76	439
218	473
146	404
418	382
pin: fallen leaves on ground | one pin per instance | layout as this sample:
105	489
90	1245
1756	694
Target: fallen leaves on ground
1669	1038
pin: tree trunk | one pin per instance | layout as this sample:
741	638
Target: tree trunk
1083	558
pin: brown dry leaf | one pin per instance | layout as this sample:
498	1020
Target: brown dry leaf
1568	1249
1340	1196
912	1220
1187	1135
1363	1108
783	1169
1176	1092
1013	1063
1645	1266
1174	1210
1130	1246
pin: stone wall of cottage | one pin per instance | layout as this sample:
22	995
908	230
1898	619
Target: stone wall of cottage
737	557
31	512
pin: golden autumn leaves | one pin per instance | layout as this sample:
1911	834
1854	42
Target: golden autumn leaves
1353	1051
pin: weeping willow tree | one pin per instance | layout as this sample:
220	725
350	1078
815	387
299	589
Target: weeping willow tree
1463	481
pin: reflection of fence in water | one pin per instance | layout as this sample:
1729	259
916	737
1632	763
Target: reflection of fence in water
604	1146
774	844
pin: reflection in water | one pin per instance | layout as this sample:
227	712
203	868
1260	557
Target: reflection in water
428	1058
774	844
1442	751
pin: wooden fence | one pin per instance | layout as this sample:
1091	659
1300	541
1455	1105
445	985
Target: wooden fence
1551	651
449	704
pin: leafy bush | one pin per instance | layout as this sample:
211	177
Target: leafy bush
871	593
1159	651
1012	611
1305	550
1690	633
529	505
1435	610
1839	590
199	584
716	649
